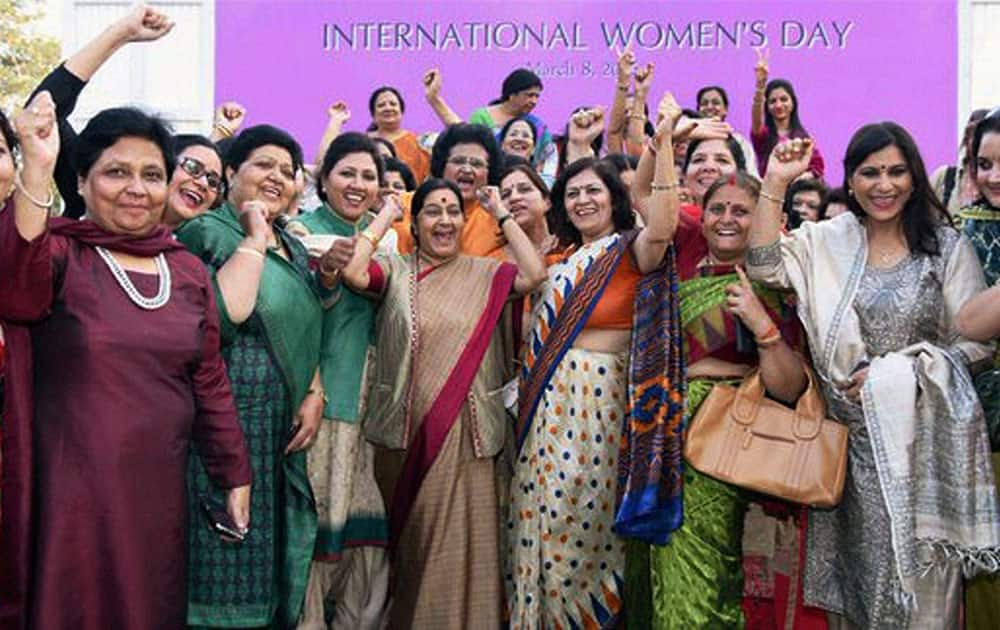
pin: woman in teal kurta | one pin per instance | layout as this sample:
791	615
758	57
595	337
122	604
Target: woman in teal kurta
350	567
271	323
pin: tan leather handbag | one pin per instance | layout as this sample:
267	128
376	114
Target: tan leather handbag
741	437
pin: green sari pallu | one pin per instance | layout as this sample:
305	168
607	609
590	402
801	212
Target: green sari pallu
271	359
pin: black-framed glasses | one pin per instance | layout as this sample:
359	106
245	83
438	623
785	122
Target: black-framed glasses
196	169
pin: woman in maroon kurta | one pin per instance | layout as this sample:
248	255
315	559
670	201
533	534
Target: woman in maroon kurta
121	385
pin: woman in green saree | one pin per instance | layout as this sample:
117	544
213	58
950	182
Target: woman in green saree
271	323
730	327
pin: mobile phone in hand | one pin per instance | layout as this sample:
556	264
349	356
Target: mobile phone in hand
219	520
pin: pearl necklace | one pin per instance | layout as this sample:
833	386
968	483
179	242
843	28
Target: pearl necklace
162	270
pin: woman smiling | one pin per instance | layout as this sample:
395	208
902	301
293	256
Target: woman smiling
443	353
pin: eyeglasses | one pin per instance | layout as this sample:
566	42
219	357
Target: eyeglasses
473	163
196	169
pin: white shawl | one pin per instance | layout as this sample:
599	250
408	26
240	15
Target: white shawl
927	429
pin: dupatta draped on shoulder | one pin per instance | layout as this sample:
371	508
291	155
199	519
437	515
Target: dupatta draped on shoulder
649	489
927	432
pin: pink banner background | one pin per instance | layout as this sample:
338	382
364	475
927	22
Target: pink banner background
850	62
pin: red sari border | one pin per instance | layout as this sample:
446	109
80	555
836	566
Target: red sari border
445	410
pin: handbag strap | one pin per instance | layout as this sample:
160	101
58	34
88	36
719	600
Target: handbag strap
810	411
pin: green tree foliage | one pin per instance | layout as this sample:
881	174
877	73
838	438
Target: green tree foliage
25	56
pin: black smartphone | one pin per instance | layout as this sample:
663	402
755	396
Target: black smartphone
219	520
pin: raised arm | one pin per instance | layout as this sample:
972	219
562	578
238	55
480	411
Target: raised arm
584	127
338	115
530	266
227	121
760	83
787	161
635	128
39	137
239	277
617	124
664	203
432	92
143	24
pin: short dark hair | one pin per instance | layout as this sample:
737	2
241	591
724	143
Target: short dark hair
621	162
510	123
7	132
342	146
429	186
252	138
392	165
923	212
382	141
712	88
735	150
111	125
465	133
621	205
792	218
378	92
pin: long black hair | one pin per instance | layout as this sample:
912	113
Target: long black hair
621	205
795	128
923	212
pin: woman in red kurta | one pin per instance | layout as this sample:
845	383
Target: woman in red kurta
108	387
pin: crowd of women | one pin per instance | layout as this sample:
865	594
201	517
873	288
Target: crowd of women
444	380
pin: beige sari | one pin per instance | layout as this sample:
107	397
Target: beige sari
437	413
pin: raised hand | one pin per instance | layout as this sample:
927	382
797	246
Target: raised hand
789	159
489	197
432	83
230	115
626	63
586	125
338	112
39	134
644	78
760	69
145	24
338	256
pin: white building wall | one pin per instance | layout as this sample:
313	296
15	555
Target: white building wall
173	76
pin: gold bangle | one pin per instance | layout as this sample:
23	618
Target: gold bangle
623	88
662	187
637	116
769	341
366	233
44	205
770	197
250	250
224	130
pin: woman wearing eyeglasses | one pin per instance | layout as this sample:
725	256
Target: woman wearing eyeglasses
196	184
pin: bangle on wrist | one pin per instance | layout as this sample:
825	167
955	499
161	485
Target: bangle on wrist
250	250
623	87
771	340
771	331
44	205
766	195
223	129
657	187
504	219
368	234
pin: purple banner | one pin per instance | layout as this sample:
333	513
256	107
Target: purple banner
850	62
